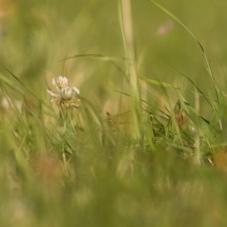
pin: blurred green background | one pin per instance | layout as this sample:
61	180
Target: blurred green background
37	36
112	186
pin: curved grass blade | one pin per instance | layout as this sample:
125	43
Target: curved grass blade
26	88
112	60
10	84
156	82
197	88
23	85
207	65
96	56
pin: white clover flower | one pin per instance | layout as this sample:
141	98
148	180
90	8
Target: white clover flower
65	95
69	93
54	96
60	82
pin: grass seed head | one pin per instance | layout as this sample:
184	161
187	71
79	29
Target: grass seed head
180	115
180	118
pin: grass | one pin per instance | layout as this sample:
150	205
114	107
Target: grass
146	146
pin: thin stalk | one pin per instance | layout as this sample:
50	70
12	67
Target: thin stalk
125	15
197	138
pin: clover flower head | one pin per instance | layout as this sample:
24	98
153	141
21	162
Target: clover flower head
65	95
69	93
60	82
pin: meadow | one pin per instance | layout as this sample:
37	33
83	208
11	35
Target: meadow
113	113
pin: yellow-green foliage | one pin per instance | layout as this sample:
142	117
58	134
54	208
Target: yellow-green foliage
136	136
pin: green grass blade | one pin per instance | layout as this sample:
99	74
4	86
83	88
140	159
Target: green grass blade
207	64
156	82
10	84
178	21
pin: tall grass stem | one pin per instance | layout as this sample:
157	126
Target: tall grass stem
125	15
